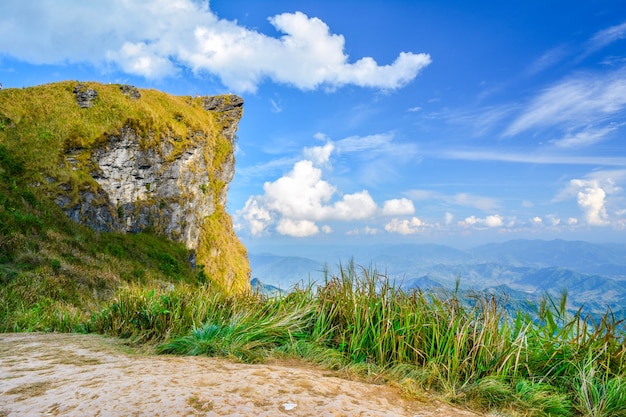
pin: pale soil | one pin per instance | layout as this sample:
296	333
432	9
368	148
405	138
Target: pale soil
89	375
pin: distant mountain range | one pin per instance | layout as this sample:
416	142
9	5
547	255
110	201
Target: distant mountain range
594	275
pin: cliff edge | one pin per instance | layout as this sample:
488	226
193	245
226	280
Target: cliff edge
126	160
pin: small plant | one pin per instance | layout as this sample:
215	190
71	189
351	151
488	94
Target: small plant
56	265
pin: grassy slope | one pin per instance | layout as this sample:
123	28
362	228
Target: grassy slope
51	266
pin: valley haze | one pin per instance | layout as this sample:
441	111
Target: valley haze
593	274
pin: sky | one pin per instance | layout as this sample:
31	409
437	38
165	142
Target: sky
448	122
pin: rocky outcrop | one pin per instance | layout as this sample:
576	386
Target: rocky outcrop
146	188
167	176
85	96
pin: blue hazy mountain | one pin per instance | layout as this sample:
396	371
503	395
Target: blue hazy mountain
284	271
265	289
593	274
605	259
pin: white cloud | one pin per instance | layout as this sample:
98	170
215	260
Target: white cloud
585	137
481	203
548	59
572	221
355	206
256	216
364	231
577	101
536	220
319	155
492	221
375	158
375	142
297	228
275	106
295	203
554	219
471	220
299	194
405	227
398	207
449	218
459	199
530	158
606	37
158	38
591	199
594	193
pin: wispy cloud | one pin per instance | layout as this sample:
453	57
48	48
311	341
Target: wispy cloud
585	137
606	37
376	142
159	38
486	204
577	101
275	106
529	158
548	59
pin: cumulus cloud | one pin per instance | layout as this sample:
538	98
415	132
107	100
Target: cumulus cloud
256	216
159	38
319	155
297	202
406	226
398	207
492	221
297	228
594	194
591	199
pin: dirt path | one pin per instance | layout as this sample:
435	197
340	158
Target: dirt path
89	375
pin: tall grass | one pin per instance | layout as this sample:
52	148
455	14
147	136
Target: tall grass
467	349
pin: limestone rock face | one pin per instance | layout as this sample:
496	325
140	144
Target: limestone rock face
162	188
146	188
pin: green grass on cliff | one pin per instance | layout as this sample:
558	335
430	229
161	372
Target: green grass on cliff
39	126
52	268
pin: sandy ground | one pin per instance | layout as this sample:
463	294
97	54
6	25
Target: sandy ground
89	375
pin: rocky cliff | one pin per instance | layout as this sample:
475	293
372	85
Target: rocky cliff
120	159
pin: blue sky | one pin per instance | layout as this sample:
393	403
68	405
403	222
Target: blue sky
375	121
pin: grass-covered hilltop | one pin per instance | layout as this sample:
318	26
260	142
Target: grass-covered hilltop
112	221
117	159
